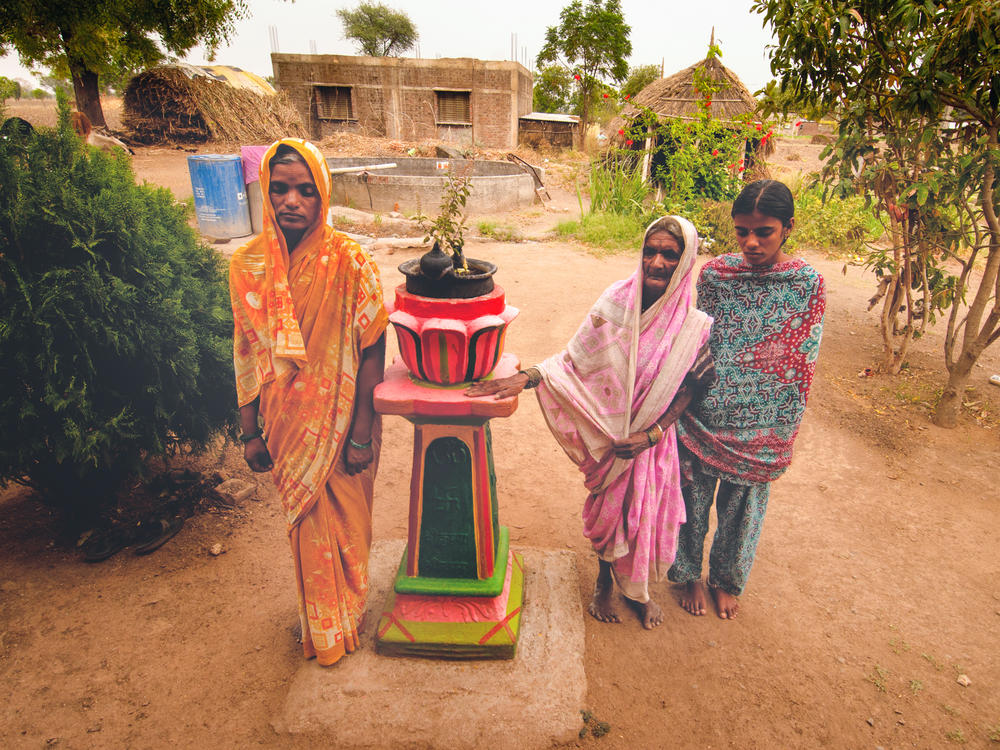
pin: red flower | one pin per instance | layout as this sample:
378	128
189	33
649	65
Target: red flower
628	142
757	126
627	97
605	96
715	152
577	76
798	122
621	132
741	169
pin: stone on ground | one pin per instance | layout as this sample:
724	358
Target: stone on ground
533	700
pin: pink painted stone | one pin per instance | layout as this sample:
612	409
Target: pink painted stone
449	341
436	608
403	395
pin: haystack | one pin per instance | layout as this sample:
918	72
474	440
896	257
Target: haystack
187	104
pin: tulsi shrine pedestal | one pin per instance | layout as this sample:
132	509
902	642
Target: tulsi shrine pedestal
459	589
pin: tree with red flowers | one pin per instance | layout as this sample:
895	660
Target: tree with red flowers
591	39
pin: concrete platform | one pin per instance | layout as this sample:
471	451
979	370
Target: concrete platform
531	701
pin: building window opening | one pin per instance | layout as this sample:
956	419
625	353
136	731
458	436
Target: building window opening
453	107
334	103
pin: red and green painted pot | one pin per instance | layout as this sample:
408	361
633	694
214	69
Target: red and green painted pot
450	341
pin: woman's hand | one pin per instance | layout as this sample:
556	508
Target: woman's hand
502	387
357	459
631	446
257	456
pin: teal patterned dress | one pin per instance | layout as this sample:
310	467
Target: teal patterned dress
739	436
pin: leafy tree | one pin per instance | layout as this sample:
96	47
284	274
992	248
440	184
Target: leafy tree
553	89
591	40
89	39
378	30
639	78
9	89
918	90
115	324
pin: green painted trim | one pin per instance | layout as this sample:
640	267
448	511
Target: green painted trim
449	640
457	586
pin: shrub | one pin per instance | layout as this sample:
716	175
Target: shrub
837	226
115	324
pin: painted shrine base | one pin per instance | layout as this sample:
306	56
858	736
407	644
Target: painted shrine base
532	700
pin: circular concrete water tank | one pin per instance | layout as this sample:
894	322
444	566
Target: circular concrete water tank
416	184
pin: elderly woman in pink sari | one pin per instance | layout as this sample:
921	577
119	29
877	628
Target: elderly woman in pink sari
611	400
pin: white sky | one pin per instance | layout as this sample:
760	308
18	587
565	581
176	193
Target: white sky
674	32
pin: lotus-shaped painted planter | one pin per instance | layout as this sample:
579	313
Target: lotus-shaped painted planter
449	341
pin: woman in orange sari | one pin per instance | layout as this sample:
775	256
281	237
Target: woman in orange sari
309	349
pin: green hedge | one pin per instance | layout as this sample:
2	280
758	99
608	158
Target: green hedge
115	325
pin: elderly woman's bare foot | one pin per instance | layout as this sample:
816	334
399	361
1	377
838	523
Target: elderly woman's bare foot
602	606
695	599
649	613
727	604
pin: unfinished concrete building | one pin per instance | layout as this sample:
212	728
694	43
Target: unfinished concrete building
460	100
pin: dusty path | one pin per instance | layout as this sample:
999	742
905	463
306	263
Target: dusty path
877	581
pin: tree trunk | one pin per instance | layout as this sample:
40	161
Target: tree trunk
946	413
88	96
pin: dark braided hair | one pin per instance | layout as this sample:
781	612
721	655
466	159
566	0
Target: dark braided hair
767	197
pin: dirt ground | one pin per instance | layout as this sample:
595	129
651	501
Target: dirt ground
877	582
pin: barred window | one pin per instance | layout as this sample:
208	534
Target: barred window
334	103
453	106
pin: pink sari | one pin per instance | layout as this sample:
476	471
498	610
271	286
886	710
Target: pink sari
618	374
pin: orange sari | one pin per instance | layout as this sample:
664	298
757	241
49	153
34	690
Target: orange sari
301	324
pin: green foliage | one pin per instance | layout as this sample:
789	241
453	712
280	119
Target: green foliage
837	225
917	97
378	30
83	41
592	41
592	724
553	89
617	185
639	78
40	94
9	89
714	222
501	232
115	323
605	230
448	229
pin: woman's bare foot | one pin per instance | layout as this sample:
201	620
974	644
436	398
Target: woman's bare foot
649	613
694	599
602	605
727	604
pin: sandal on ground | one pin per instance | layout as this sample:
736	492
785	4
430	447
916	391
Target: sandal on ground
104	546
158	533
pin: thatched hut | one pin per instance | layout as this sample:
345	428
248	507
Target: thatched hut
676	97
189	104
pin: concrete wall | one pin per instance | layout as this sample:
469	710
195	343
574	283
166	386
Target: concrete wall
394	97
417	184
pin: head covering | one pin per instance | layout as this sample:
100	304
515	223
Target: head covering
624	365
301	323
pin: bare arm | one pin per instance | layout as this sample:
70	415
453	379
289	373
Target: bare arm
637	442
370	374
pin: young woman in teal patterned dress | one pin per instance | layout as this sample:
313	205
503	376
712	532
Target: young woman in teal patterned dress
768	310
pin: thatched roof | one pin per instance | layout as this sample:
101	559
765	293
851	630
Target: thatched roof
184	103
676	96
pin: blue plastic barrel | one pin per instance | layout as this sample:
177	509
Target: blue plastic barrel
220	198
